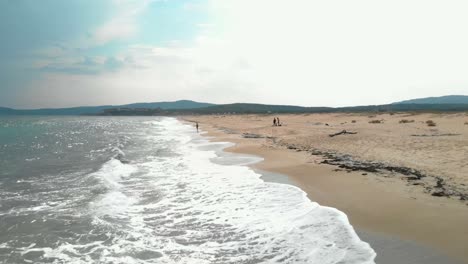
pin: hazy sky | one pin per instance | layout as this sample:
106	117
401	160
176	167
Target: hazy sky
56	53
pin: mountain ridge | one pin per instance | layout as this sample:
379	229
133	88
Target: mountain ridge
81	110
182	107
446	99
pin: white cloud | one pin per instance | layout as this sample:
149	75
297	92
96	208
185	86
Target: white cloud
123	24
118	28
149	73
349	52
302	52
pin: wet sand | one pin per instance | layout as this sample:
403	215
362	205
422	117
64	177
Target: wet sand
403	222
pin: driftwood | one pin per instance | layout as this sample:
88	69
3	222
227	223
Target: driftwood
343	132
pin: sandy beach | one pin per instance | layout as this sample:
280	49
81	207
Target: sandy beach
402	181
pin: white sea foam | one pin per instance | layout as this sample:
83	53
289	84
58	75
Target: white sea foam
190	207
113	202
113	172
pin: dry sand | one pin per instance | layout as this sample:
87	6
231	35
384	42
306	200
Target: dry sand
382	202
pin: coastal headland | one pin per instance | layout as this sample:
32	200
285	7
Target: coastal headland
401	178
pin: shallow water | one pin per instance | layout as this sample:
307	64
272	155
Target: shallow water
151	190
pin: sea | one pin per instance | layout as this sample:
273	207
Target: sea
152	190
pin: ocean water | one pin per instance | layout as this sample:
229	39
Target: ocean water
151	190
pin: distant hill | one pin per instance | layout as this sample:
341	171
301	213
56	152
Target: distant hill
265	109
406	108
6	110
90	110
243	108
185	107
449	99
181	104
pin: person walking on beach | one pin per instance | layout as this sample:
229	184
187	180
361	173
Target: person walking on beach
278	122
274	121
196	125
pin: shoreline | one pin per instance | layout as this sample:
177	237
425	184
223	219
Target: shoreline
417	228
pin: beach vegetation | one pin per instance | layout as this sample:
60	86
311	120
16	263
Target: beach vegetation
431	123
405	121
376	121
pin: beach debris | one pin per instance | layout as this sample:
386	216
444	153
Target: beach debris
440	194
435	135
440	182
228	131
342	132
252	135
433	185
295	147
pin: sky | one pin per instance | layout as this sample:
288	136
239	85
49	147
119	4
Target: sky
56	53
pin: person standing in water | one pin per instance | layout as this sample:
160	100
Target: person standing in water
196	125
